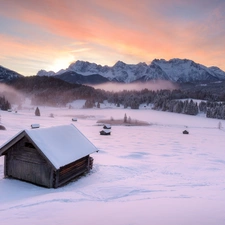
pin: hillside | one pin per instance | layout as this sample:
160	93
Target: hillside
7	75
49	90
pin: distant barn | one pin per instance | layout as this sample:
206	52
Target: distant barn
33	126
2	127
106	129
107	126
48	157
185	132
105	132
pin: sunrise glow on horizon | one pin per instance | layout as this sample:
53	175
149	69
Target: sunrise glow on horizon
50	35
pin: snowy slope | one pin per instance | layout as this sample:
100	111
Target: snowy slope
8	75
186	71
141	175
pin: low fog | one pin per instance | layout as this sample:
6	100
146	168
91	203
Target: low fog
12	95
151	85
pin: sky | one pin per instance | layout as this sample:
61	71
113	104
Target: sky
51	34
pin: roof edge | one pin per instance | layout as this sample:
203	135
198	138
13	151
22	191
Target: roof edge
39	150
11	142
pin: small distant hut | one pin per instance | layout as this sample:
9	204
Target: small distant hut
185	132
48	157
105	132
35	125
106	129
2	127
107	126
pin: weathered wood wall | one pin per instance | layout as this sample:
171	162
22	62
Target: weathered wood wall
24	162
70	171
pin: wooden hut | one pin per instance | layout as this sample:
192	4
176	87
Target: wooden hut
48	157
106	129
2	127
105	132
106	126
185	132
35	125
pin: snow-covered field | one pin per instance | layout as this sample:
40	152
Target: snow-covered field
141	175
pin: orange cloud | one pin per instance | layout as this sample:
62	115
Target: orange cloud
133	31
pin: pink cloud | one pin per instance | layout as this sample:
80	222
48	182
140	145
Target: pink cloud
141	30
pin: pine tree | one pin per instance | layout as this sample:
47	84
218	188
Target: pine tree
125	118
89	103
37	112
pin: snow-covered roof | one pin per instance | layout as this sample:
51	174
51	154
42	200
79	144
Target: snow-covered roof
60	144
107	126
107	130
35	125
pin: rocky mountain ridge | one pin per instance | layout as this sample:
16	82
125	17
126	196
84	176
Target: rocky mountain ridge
174	70
7	75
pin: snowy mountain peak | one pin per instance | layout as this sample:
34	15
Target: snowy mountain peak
79	65
119	64
142	64
86	68
175	70
45	73
8	75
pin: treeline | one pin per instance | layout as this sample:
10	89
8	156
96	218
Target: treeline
50	91
54	92
182	106
176	101
211	109
160	98
215	110
4	104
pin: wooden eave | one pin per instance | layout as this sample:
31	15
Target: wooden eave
11	142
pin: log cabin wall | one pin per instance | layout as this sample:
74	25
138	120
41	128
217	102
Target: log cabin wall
24	162
70	171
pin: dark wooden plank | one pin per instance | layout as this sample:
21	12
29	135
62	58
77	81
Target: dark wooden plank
31	172
72	170
5	165
77	173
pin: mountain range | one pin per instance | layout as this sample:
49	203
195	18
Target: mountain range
174	70
191	80
7	75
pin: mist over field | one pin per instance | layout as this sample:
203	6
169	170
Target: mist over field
12	95
137	86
